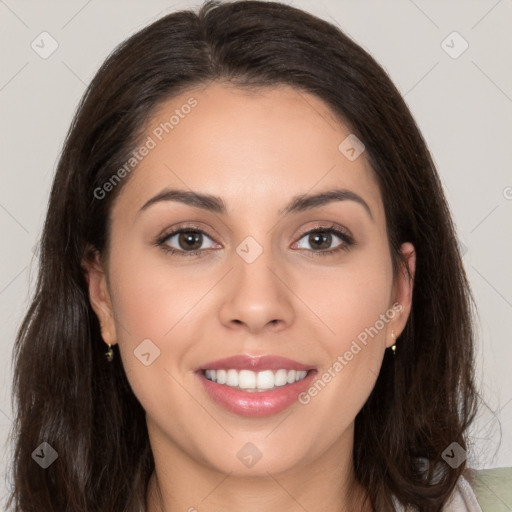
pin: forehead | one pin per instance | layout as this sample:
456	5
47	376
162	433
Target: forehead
253	147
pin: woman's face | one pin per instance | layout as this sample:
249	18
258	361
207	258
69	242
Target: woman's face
261	284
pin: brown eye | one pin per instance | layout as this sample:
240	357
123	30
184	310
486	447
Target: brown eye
190	240
320	240
186	242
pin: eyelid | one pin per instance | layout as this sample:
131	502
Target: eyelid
328	226
185	226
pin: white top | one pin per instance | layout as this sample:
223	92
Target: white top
463	499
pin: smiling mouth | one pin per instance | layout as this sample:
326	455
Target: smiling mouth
252	381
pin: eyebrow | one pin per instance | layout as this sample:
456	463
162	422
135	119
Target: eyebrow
298	203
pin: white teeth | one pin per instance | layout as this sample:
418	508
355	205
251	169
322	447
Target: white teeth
265	380
246	379
232	378
210	374
281	377
255	381
221	376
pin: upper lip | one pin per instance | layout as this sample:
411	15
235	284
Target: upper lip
255	363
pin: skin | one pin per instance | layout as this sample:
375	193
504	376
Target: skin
256	150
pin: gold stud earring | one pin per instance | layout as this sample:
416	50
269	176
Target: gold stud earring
109	354
393	348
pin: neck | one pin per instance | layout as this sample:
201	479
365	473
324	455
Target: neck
327	483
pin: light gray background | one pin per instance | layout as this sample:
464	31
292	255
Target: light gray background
463	107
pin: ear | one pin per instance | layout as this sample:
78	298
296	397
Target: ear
99	295
402	293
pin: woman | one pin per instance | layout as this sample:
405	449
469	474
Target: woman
246	215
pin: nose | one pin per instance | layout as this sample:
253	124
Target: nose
257	297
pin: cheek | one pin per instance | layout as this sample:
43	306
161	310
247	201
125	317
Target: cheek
355	303
154	306
351	299
150	297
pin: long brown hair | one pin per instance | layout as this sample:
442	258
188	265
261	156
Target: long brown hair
67	394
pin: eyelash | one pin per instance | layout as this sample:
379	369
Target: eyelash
347	241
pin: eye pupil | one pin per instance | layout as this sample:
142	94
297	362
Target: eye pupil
190	240
316	238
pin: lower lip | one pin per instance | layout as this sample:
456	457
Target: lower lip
256	403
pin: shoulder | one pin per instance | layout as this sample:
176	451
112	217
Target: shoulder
462	499
492	487
487	490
